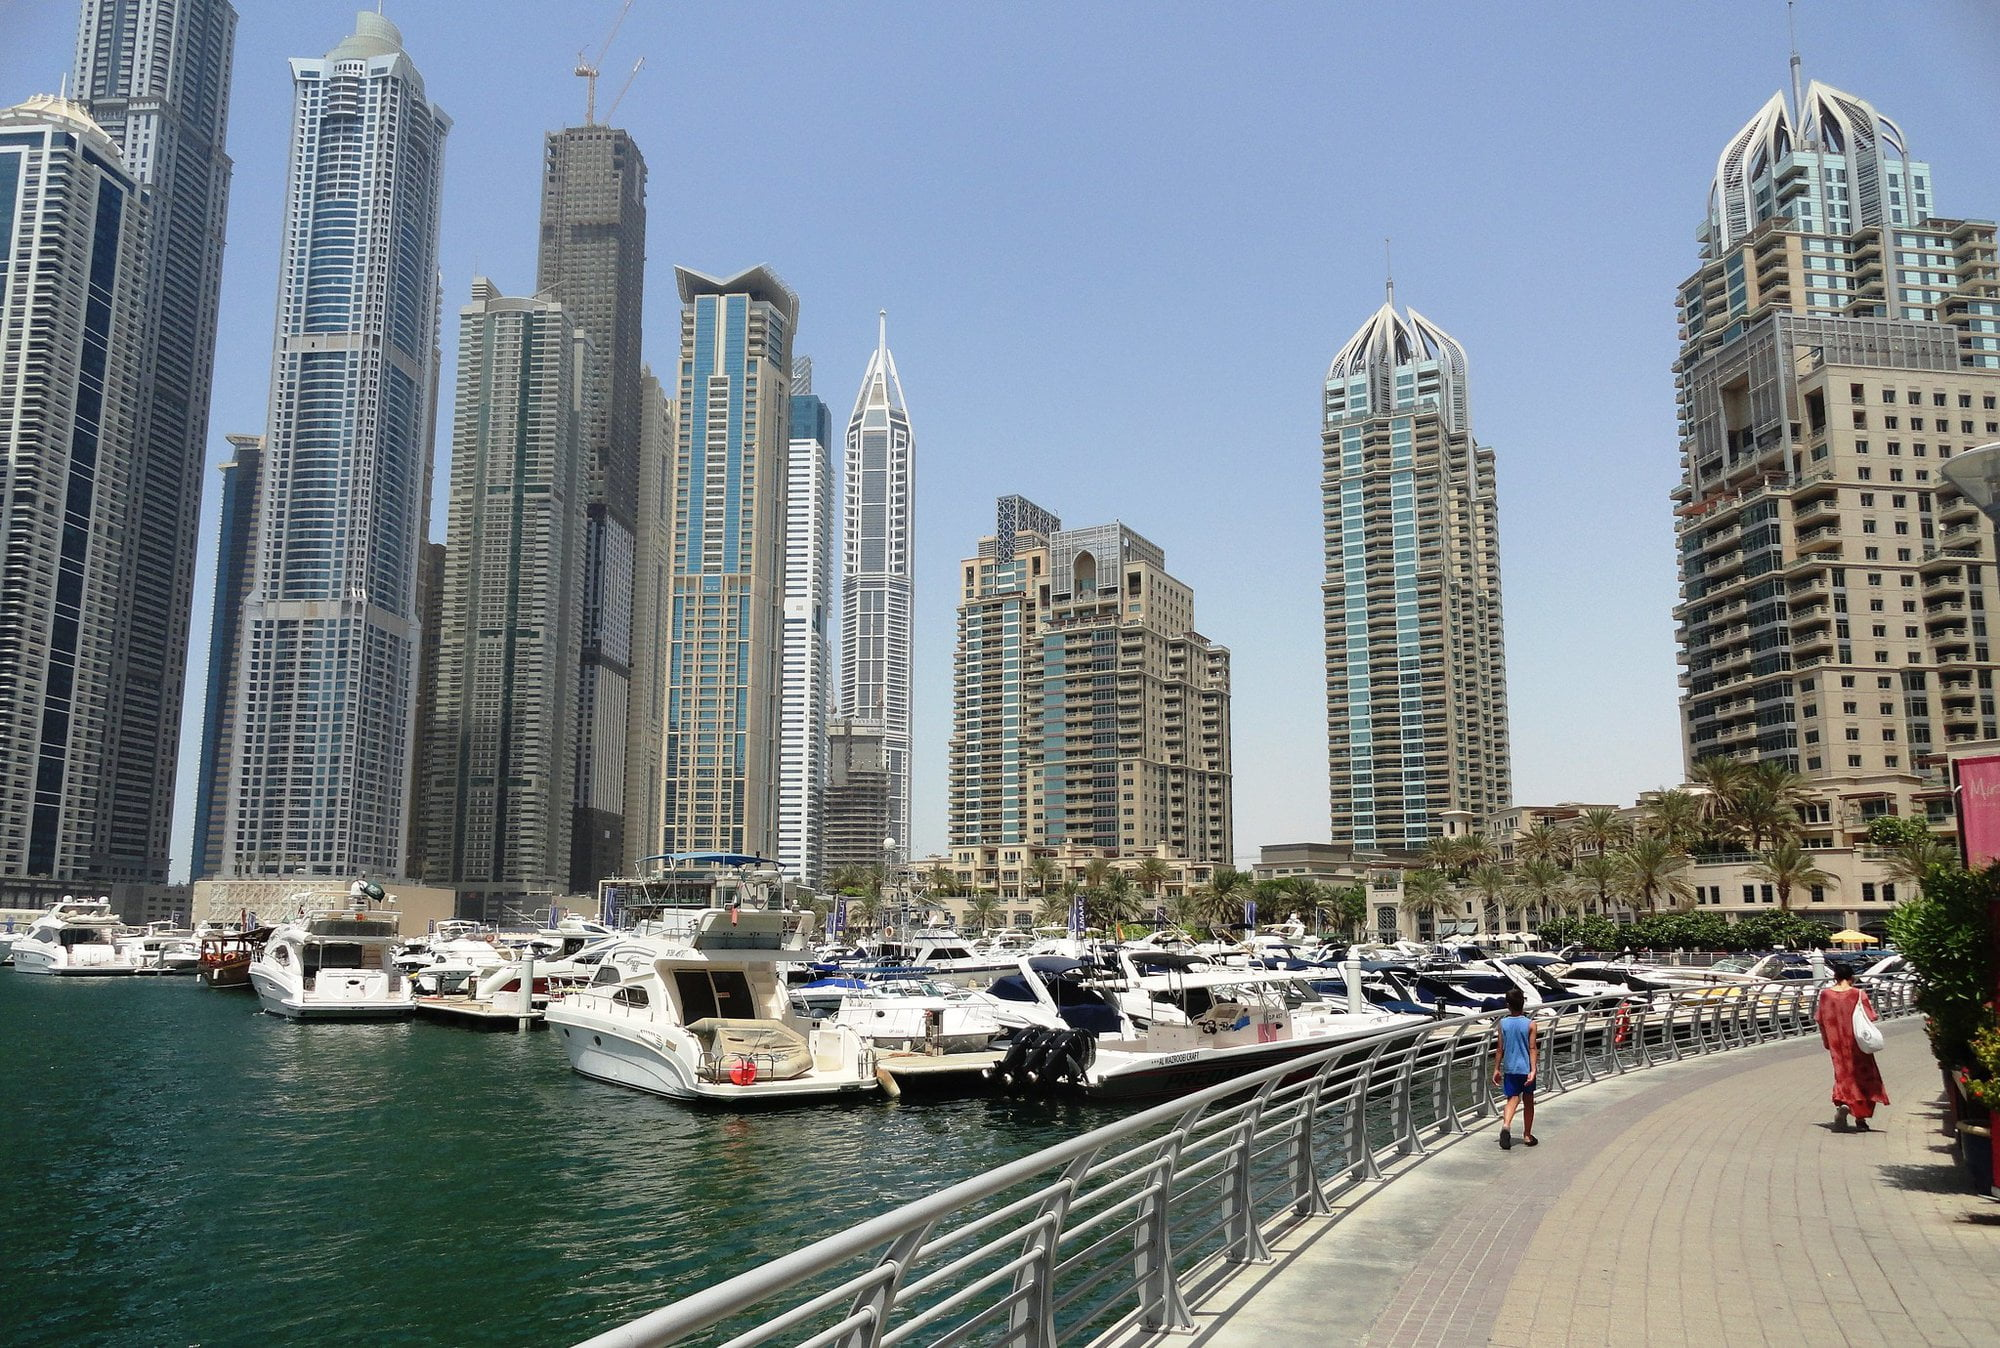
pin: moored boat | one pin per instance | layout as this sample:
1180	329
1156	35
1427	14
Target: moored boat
332	962
226	956
75	937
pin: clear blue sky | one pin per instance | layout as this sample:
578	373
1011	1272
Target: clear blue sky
1119	244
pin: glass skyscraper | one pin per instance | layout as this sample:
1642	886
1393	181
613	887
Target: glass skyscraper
592	258
720	744
498	789
1416	674
328	647
155	76
808	662
877	576
71	283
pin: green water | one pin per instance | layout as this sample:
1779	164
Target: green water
184	1170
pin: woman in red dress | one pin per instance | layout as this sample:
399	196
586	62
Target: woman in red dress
1857	1081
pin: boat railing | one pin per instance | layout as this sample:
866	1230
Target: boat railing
1117	1234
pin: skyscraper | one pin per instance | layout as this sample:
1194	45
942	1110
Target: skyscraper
1416	674
501	759
71	282
652	609
720	750
327	657
1087	709
235	565
593	260
156	78
876	572
808	658
1840	342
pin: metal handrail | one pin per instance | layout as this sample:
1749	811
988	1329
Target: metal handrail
1120	1230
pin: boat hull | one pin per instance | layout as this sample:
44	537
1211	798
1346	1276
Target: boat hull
279	999
31	960
624	1055
234	974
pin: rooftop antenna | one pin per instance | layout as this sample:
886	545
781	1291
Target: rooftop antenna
1798	90
1388	274
588	70
882	330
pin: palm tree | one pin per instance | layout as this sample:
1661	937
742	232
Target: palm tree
1225	892
1597	876
1652	869
1444	854
1476	850
1911	861
1151	873
1041	874
1763	811
868	909
1723	779
982	910
1052	910
1117	901
1540	882
943	882
1674	816
1542	842
1600	829
1788	865
1094	871
1492	885
1426	891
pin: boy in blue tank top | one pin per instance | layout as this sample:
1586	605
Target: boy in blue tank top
1514	1058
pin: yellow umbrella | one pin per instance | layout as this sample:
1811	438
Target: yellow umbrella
1852	937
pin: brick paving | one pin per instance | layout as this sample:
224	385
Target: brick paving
1706	1200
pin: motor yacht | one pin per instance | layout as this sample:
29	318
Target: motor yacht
332	962
161	949
696	1008
919	1015
74	937
1075	1025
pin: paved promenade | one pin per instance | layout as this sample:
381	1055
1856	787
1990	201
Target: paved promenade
1708	1201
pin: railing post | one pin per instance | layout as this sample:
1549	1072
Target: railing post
1308	1198
1452	1122
1246	1236
1153	1249
876	1303
1034	1313
1361	1156
1580	1042
1406	1114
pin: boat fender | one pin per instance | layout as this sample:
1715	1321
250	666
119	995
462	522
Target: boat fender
743	1072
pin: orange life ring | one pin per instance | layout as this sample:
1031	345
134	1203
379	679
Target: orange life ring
1622	1027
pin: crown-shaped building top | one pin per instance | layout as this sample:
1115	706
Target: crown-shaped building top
1362	381
1829	161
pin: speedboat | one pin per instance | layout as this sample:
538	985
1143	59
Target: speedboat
1075	1026
332	962
75	937
696	1008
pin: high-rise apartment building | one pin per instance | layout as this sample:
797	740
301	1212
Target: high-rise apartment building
498	794
877	582
1839	343
593	260
652	609
430	610
155	77
1088	711
328	649
808	658
857	797
719	754
1416	673
235	564
71	283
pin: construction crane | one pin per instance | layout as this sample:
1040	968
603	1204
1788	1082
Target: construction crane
624	89
587	69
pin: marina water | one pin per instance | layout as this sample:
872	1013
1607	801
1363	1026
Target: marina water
185	1170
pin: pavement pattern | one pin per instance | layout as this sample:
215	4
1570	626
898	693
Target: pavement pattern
1705	1201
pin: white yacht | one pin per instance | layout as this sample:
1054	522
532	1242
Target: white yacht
919	1015
332	962
1080	1025
162	949
697	1009
75	937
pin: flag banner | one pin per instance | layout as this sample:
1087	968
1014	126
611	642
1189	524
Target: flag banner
1250	914
1076	916
1978	786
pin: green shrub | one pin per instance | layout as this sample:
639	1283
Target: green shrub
1946	934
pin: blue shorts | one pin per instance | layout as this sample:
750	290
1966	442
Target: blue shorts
1517	1083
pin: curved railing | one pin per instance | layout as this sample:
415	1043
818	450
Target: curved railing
1120	1230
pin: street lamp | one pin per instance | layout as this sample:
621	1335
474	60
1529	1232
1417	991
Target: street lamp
888	886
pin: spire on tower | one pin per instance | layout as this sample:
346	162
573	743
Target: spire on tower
1388	275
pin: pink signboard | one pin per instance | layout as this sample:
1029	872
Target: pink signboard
1978	781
